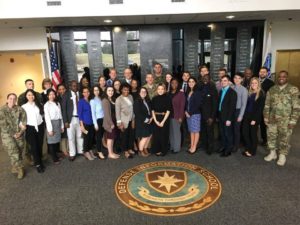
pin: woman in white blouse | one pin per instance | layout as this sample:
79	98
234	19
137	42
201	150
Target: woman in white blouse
34	128
54	124
97	115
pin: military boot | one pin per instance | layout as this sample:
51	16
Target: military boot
20	173
14	169
272	156
281	161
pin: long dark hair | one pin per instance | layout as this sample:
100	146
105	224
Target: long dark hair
49	91
37	103
105	96
89	98
194	88
147	96
100	91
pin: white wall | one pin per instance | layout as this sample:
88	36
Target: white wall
23	39
14	39
73	8
285	35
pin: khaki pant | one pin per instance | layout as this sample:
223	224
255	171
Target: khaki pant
279	136
14	149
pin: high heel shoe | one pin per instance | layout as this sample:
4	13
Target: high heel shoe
101	156
88	156
128	155
112	157
92	154
131	152
143	153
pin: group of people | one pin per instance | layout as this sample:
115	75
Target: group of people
120	116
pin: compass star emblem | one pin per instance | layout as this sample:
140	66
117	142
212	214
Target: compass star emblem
167	181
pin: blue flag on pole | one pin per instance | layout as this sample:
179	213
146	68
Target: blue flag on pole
267	59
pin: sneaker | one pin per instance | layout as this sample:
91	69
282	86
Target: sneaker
282	159
272	156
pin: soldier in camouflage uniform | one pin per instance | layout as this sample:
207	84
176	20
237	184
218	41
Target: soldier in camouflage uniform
159	78
282	109
13	125
150	86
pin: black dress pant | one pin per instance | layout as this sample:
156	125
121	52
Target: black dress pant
237	129
207	135
53	150
127	138
160	137
226	136
250	136
34	139
263	130
99	135
88	138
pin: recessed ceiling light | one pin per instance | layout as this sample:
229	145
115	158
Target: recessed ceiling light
107	21
230	17
210	25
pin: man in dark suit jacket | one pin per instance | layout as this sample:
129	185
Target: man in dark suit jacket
266	84
71	120
127	76
226	110
208	113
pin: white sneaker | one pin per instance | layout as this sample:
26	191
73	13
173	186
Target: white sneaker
281	161
272	156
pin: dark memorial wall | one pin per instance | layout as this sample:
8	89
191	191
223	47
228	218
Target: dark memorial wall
244	34
68	55
191	36
95	56
217	49
120	50
156	46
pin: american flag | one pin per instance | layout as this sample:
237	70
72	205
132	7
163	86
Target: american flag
56	79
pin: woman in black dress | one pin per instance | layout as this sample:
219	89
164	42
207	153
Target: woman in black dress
252	116
161	108
143	120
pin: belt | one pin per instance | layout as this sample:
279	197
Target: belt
74	116
159	113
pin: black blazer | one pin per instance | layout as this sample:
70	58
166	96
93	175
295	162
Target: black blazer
141	112
67	107
228	105
194	103
267	84
258	108
210	101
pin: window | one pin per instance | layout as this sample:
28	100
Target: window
177	48
230	50
204	46
81	52
107	49
133	47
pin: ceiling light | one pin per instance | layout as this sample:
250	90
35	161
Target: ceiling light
230	17
211	26
117	29
107	21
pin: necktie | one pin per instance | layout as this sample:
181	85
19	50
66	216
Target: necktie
76	99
